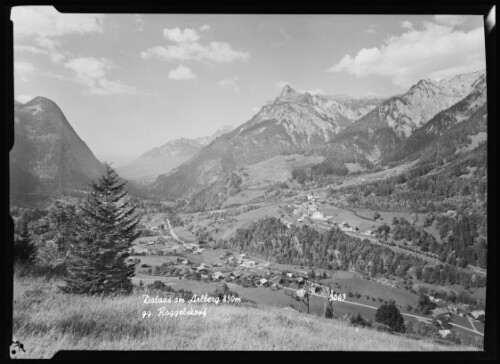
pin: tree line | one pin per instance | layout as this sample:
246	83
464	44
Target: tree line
270	239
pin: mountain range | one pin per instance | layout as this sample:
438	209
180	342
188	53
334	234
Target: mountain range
369	131
164	158
50	158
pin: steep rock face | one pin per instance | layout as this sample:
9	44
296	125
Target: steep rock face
351	107
167	157
383	130
465	118
309	119
48	156
424	100
294	121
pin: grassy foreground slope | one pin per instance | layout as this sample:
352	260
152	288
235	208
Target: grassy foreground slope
46	321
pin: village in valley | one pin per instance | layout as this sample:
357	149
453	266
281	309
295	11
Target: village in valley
188	257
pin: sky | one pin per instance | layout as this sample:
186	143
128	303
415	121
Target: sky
131	82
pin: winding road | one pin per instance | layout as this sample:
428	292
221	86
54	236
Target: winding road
420	318
172	232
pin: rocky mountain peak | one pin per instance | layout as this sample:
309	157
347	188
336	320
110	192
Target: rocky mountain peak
287	90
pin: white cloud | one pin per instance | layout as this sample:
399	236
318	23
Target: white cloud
436	50
24	98
46	21
407	24
51	46
449	19
181	36
187	48
89	68
229	83
23	70
92	72
107	87
217	52
48	48
204	27
181	73
29	49
314	91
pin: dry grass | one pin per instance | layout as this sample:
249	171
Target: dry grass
47	321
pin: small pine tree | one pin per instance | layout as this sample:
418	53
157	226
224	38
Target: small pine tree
24	249
96	260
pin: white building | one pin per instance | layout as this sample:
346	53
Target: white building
477	314
444	333
318	215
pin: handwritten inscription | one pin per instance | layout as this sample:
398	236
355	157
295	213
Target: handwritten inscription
195	299
337	297
164	311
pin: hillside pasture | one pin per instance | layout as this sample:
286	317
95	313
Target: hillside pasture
55	321
340	215
277	169
245	196
349	282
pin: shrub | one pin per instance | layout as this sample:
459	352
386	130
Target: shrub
388	314
359	320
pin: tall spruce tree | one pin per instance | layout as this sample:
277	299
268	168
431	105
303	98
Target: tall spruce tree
96	261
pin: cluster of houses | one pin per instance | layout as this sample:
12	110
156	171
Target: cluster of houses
309	208
267	279
242	260
460	310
